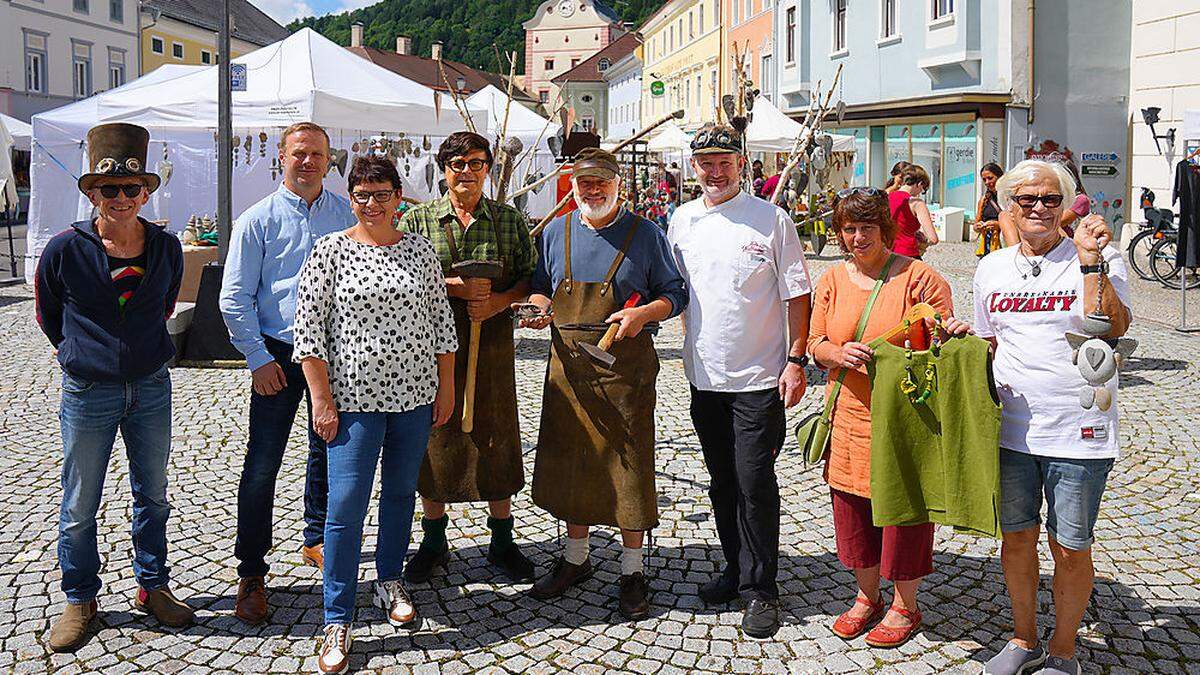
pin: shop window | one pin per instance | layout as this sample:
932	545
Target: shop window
960	166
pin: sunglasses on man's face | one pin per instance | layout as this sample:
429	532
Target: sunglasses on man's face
381	196
1028	201
111	191
460	165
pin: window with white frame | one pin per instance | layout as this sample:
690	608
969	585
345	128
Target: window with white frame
206	57
156	45
887	18
701	19
737	12
940	9
116	11
839	25
177	50
789	35
712	83
35	62
116	67
749	9
81	69
765	76
691	25
603	64
80	6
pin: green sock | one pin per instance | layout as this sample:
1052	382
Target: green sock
435	533
502	531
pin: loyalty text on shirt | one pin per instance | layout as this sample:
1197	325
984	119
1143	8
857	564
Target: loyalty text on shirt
1045	301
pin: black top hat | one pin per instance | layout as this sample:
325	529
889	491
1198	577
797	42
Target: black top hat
118	150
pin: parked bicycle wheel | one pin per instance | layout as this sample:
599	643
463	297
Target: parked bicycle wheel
1164	269
1138	253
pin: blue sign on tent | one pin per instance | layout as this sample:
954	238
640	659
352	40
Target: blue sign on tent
237	77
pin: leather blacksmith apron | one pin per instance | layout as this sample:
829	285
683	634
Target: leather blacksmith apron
595	452
484	465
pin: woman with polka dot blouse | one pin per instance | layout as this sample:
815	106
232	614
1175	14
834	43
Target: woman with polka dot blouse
375	336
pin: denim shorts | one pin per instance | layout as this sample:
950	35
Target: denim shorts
1072	488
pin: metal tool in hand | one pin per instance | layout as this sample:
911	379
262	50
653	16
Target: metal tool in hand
599	352
474	269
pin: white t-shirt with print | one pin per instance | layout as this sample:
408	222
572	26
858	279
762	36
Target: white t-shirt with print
1037	381
742	261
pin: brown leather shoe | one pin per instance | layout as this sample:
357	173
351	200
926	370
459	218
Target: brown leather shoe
71	630
634	602
251	600
563	576
169	610
313	556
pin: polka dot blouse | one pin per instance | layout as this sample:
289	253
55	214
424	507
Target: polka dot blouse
377	315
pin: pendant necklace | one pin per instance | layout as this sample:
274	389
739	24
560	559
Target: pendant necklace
1035	266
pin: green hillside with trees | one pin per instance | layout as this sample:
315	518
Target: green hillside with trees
467	28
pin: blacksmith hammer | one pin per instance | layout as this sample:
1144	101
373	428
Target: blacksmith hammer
599	352
474	269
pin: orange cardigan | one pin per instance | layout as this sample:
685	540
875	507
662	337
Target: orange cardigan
836	310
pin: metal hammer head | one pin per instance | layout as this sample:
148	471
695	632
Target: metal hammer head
478	269
601	357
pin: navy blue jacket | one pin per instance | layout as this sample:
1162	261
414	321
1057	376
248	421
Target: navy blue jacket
78	310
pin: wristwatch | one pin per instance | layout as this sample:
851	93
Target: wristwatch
1099	268
801	360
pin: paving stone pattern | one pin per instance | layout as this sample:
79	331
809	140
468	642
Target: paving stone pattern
1145	616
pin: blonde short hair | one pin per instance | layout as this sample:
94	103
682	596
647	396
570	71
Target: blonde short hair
304	126
1030	170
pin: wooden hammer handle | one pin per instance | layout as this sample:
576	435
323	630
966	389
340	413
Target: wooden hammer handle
468	417
611	334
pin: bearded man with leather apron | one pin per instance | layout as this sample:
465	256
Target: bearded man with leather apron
595	452
484	464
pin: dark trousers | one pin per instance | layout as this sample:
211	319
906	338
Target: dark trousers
740	434
271	420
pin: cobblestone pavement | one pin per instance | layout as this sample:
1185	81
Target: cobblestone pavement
1145	616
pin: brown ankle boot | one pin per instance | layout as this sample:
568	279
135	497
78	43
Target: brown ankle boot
251	605
169	610
313	556
563	576
70	631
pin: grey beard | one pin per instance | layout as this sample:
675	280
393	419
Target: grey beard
598	213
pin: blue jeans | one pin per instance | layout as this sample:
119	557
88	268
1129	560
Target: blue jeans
402	437
271	420
90	414
1072	488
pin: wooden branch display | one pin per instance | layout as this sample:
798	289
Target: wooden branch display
807	137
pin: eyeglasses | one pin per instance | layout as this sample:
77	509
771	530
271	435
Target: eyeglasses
1028	201
130	190
460	165
866	191
381	196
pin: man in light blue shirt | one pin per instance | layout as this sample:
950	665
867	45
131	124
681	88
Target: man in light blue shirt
270	243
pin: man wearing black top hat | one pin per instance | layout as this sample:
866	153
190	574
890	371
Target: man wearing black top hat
105	288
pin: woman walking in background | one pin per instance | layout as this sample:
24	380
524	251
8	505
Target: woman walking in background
987	213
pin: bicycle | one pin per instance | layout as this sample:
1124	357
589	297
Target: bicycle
1159	225
1164	267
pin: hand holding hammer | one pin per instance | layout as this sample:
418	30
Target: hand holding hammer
468	270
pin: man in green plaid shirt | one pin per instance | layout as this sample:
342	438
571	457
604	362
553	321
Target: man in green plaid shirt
484	464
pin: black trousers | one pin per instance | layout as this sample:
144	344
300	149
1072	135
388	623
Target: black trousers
740	434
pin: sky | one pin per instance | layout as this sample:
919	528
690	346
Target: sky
284	11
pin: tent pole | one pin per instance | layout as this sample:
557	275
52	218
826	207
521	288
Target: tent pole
224	140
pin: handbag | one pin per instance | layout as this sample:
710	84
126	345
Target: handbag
812	433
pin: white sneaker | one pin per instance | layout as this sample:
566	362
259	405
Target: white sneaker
393	598
335	649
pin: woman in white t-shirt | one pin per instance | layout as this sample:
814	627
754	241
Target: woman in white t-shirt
1027	298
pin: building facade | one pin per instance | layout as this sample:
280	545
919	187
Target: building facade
1164	74
682	47
950	84
749	31
624	80
57	51
585	90
561	35
185	31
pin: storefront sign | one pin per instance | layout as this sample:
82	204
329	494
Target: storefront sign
1099	170
657	88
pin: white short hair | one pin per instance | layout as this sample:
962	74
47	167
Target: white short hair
1029	171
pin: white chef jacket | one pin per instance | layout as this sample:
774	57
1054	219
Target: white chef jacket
742	261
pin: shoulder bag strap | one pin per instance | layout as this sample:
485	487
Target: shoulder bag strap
567	251
858	333
616	263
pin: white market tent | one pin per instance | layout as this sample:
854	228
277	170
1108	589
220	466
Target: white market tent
523	123
669	138
773	131
8	183
304	77
21	132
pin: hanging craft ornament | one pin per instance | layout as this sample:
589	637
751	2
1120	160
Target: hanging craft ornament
429	176
262	144
426	144
249	147
234	147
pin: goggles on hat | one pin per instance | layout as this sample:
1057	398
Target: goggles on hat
716	138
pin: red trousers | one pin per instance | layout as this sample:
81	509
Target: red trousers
903	553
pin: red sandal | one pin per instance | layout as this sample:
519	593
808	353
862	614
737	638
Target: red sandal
849	627
886	637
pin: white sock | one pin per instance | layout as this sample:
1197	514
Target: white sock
576	552
631	561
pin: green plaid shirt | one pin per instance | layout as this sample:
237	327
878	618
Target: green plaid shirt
499	232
